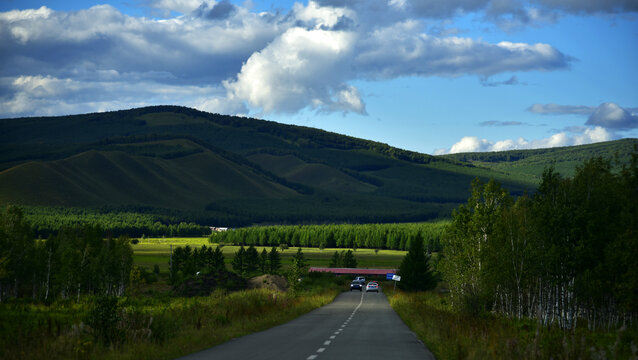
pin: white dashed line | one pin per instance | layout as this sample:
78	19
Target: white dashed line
332	337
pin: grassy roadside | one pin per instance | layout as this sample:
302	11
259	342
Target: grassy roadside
453	335
154	328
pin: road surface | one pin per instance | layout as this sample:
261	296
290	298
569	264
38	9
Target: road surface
354	326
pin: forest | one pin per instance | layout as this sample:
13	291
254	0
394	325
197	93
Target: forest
77	261
373	236
137	222
564	255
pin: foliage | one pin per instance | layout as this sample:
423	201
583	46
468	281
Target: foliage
297	271
565	255
335	261
103	318
382	236
48	221
274	260
348	260
451	334
150	327
415	269
76	261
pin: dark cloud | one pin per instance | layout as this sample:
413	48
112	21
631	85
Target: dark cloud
608	115
220	11
611	116
591	6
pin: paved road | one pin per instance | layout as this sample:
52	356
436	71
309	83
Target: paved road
354	326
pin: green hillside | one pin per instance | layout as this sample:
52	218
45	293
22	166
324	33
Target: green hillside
529	164
169	159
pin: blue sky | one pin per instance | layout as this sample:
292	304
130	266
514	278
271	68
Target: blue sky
433	76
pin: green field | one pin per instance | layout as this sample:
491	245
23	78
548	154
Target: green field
151	251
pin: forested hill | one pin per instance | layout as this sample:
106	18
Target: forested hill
529	164
225	170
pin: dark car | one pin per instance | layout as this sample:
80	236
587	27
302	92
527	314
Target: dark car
357	285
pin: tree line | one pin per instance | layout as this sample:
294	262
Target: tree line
567	253
374	236
48	221
74	262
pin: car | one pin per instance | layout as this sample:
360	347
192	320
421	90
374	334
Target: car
372	286
356	285
361	278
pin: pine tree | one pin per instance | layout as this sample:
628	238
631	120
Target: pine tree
239	261
335	262
415	269
274	260
218	263
263	261
349	261
251	259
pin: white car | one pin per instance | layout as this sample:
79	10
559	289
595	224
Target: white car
372	286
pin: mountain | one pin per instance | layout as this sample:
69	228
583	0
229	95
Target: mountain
176	159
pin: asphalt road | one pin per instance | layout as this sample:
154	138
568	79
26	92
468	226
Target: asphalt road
354	326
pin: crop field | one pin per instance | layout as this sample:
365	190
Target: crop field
151	251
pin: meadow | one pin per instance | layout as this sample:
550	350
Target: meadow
149	252
151	327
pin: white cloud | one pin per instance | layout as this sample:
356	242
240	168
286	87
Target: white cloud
475	144
610	115
402	50
58	96
299	69
265	62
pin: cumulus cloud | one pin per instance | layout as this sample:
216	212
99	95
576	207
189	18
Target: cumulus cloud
474	144
611	116
265	62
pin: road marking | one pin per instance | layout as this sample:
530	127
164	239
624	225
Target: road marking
332	337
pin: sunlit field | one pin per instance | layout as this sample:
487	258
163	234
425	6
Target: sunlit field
151	251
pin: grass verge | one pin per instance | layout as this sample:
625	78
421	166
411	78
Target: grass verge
152	327
453	335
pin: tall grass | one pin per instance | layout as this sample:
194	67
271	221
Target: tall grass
153	328
454	335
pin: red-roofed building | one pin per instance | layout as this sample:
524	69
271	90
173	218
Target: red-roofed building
354	271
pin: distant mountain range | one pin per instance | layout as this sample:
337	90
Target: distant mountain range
169	158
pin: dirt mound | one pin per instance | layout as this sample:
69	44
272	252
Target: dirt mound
273	282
